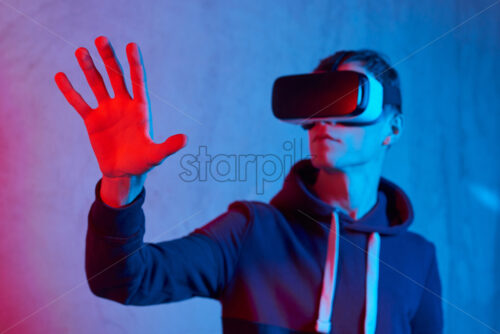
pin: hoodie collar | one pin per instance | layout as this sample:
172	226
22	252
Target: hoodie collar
392	214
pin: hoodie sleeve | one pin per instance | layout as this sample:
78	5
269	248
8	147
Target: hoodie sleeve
121	267
429	317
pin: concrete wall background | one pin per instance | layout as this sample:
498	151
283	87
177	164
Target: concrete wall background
211	65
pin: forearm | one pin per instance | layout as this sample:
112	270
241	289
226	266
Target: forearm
120	266
121	191
113	266
114	240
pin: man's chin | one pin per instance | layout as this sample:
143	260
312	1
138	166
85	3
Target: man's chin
323	162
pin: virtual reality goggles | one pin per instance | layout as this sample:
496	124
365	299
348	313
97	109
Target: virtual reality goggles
346	97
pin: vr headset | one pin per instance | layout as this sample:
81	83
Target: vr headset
346	97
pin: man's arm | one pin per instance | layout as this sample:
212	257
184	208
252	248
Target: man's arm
429	317
121	267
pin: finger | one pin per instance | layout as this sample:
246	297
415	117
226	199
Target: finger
93	76
161	151
137	73
113	67
72	95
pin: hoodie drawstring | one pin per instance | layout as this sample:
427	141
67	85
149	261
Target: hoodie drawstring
323	323
372	273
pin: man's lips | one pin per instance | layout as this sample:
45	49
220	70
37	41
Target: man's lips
325	136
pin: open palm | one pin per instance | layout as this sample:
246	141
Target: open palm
120	128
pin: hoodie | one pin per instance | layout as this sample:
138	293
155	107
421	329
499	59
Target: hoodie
293	265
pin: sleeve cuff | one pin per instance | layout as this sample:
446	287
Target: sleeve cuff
120	222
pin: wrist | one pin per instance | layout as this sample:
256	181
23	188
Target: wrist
121	191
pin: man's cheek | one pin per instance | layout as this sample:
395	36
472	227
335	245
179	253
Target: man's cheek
357	140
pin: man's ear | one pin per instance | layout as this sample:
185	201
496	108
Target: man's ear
394	129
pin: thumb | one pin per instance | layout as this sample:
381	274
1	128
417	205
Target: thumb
171	145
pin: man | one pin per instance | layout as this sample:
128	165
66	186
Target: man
331	252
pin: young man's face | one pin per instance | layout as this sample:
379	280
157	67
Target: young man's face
351	144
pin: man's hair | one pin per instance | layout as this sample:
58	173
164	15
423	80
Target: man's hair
375	62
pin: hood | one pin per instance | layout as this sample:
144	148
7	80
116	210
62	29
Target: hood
392	214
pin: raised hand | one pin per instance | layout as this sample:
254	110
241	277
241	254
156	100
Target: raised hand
120	128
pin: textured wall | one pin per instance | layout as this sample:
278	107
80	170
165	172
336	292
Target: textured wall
211	65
